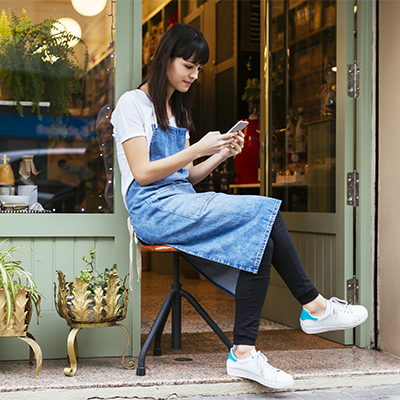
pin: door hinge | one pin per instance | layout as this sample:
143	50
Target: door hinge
352	290
353	189
353	80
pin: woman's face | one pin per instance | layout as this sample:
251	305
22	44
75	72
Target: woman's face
181	74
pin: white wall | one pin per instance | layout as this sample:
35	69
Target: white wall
389	178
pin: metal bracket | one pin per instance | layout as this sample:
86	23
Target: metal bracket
352	290
353	189
353	80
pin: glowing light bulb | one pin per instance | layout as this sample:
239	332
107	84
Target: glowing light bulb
89	8
72	27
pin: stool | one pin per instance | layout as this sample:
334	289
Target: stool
173	303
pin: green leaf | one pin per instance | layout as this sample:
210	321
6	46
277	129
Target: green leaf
13	276
5	28
25	23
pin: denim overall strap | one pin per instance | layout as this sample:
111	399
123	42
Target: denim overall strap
165	143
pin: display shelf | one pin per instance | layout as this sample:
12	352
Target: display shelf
305	38
99	84
154	23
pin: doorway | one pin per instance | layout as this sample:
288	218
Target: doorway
308	126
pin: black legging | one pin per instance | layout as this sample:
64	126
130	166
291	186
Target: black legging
251	288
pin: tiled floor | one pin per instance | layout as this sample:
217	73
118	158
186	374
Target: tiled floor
198	369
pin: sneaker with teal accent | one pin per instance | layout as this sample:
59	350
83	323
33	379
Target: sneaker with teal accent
338	315
257	368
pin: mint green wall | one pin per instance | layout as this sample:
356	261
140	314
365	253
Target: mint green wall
65	254
59	241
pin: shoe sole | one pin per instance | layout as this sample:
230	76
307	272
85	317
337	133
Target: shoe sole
272	385
311	330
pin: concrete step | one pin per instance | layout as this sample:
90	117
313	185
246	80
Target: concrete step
194	375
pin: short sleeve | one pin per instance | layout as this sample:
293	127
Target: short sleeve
128	119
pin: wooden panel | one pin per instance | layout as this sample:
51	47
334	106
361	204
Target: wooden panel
50	254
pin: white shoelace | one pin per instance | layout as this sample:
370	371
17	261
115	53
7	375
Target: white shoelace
337	304
262	361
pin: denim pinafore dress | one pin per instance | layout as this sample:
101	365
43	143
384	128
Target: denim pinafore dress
230	230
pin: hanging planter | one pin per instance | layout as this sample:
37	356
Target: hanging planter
38	63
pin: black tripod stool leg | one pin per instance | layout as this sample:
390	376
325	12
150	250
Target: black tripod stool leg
206	318
176	307
159	332
158	323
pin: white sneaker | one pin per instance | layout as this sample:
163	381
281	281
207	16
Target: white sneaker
338	315
257	368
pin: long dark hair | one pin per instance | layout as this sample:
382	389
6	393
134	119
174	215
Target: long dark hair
184	41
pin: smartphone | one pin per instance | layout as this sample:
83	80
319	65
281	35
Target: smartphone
238	126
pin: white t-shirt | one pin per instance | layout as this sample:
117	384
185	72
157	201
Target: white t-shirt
132	117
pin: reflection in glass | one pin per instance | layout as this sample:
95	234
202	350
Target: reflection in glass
71	143
303	104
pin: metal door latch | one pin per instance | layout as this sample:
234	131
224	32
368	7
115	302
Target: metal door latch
353	189
352	291
353	80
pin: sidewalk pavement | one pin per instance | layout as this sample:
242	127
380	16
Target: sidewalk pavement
390	392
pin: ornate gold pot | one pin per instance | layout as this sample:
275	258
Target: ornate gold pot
20	319
104	310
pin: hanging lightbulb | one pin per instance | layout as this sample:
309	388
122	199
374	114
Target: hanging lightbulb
89	8
72	27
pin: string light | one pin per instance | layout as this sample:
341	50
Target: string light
109	190
111	44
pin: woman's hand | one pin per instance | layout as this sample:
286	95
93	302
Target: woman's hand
235	148
214	142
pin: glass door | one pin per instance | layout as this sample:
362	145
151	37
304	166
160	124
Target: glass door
303	107
310	142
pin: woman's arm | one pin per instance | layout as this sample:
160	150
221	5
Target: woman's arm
198	172
147	172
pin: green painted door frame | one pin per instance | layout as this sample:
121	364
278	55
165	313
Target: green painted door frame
325	241
128	76
365	164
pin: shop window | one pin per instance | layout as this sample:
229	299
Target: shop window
303	104
63	80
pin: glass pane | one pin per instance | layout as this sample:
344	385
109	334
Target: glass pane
303	105
56	59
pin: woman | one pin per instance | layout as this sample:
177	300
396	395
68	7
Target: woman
232	240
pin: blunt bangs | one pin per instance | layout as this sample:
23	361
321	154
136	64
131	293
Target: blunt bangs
192	44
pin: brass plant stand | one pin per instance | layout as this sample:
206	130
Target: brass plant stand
20	318
80	312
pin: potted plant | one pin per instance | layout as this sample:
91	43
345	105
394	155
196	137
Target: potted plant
251	94
37	63
13	280
94	297
18	292
247	162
